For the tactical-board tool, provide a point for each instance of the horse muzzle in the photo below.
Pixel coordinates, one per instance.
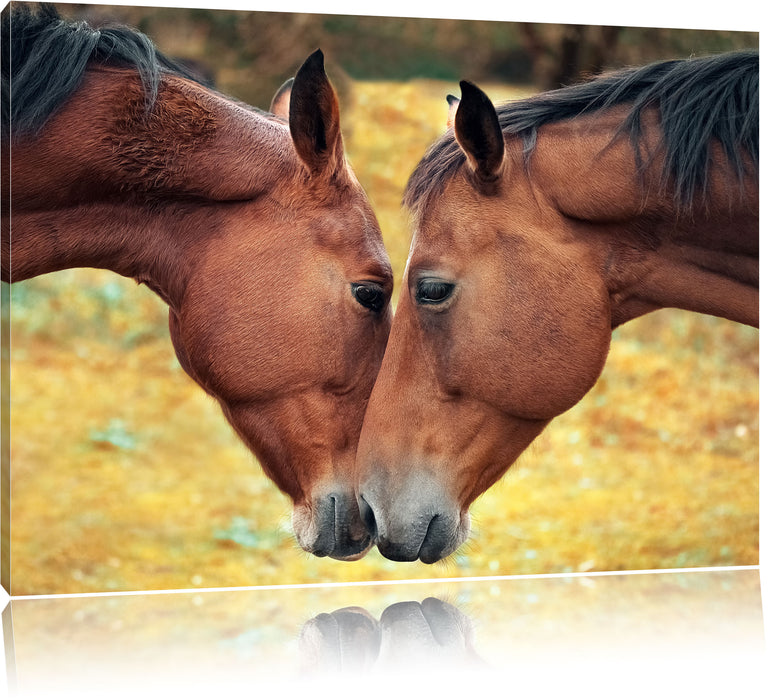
(419, 522)
(332, 527)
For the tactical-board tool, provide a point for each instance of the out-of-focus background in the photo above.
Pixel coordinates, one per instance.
(125, 475)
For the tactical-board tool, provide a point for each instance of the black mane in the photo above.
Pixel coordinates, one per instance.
(698, 99)
(44, 59)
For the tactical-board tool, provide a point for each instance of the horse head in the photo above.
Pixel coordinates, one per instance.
(251, 227)
(529, 247)
(287, 327)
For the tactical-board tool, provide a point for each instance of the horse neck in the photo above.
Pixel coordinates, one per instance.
(148, 246)
(708, 265)
(651, 254)
(103, 186)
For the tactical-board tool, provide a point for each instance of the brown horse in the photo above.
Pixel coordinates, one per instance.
(539, 228)
(252, 229)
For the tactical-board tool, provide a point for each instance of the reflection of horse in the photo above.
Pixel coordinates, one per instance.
(253, 231)
(540, 227)
(429, 636)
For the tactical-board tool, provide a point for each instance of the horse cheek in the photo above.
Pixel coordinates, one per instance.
(541, 356)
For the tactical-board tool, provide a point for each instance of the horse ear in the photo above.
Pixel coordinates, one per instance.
(478, 132)
(314, 118)
(452, 108)
(281, 101)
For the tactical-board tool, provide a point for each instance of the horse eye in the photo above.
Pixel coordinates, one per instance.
(433, 291)
(368, 295)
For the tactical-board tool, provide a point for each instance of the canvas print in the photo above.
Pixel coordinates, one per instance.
(298, 298)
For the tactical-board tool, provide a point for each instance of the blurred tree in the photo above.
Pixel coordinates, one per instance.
(249, 54)
(561, 54)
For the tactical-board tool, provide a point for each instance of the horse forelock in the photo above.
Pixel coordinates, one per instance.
(699, 100)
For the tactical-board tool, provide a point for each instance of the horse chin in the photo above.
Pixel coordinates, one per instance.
(353, 557)
(435, 546)
(431, 552)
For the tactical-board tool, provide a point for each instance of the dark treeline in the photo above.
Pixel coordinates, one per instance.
(248, 54)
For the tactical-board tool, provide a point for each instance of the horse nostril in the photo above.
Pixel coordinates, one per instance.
(368, 516)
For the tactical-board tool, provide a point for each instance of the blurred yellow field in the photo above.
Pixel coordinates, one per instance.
(125, 475)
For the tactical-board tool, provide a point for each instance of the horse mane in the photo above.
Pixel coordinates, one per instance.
(698, 100)
(46, 56)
